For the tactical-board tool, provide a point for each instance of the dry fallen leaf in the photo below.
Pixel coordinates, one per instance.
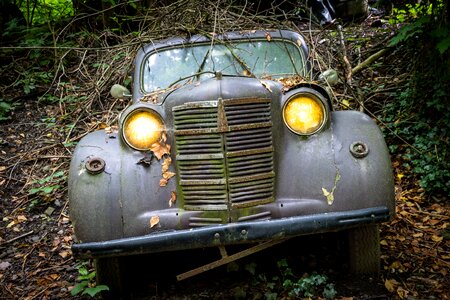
(268, 37)
(163, 182)
(111, 129)
(102, 125)
(160, 149)
(173, 199)
(289, 82)
(166, 164)
(154, 221)
(11, 224)
(390, 285)
(54, 276)
(437, 239)
(63, 254)
(167, 175)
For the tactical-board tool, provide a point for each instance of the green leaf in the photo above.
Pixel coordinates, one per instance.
(270, 296)
(49, 189)
(92, 291)
(251, 268)
(78, 288)
(443, 45)
(83, 271)
(58, 174)
(33, 191)
(282, 263)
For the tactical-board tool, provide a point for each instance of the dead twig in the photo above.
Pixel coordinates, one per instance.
(17, 238)
(345, 61)
(370, 60)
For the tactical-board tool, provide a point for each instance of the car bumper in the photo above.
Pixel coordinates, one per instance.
(234, 233)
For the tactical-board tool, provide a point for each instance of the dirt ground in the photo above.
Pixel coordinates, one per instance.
(36, 233)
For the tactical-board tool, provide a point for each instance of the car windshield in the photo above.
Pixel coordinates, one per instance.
(260, 58)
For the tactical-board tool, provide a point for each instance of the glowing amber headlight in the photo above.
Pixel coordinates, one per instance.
(304, 114)
(142, 128)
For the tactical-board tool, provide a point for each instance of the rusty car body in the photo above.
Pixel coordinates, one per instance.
(228, 141)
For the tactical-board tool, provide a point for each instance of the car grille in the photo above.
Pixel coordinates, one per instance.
(225, 155)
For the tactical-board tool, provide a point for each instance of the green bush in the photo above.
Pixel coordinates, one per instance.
(423, 122)
(420, 113)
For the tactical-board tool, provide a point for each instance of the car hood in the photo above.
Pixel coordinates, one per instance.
(224, 87)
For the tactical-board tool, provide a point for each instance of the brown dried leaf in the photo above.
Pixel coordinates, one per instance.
(54, 276)
(102, 125)
(63, 254)
(153, 97)
(154, 221)
(437, 239)
(402, 293)
(159, 149)
(11, 224)
(111, 129)
(268, 36)
(165, 165)
(163, 182)
(167, 175)
(391, 285)
(173, 199)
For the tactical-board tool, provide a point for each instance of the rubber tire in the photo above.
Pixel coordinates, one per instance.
(109, 272)
(364, 249)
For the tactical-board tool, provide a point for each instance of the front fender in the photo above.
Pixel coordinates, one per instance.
(319, 174)
(103, 206)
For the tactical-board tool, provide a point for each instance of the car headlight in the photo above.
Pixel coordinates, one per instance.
(142, 128)
(304, 114)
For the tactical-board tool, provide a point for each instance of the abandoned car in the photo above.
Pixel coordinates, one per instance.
(228, 141)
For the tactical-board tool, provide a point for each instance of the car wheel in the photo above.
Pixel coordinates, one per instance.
(109, 273)
(364, 248)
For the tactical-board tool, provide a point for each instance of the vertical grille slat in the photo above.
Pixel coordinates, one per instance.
(225, 156)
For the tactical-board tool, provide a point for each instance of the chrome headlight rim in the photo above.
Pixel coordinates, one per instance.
(318, 99)
(127, 115)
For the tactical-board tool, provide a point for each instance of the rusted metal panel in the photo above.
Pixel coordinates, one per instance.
(242, 154)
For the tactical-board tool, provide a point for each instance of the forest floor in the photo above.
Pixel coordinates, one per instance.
(36, 234)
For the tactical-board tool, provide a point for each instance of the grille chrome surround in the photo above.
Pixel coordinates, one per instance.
(225, 156)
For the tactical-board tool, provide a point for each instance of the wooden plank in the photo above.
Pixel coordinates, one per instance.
(228, 258)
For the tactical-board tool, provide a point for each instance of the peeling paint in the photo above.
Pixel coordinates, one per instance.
(330, 195)
(337, 178)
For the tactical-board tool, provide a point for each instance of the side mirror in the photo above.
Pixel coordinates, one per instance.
(329, 76)
(119, 91)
